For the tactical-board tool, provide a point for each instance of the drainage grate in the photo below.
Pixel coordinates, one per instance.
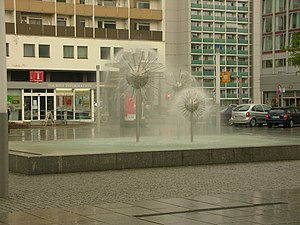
(212, 209)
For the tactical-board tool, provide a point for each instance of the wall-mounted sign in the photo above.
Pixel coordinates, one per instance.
(36, 76)
(225, 77)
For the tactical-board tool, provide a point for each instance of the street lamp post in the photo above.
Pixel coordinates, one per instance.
(218, 92)
(3, 108)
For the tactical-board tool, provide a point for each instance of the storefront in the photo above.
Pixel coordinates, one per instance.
(58, 101)
(286, 98)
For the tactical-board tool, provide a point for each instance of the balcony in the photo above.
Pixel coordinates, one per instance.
(221, 18)
(208, 84)
(194, 50)
(231, 95)
(231, 29)
(208, 51)
(231, 18)
(206, 6)
(146, 35)
(197, 73)
(245, 95)
(243, 9)
(196, 61)
(104, 33)
(219, 6)
(43, 30)
(231, 7)
(243, 63)
(220, 40)
(196, 17)
(231, 51)
(231, 40)
(243, 52)
(208, 62)
(208, 28)
(208, 73)
(196, 6)
(84, 32)
(197, 28)
(243, 74)
(36, 6)
(146, 14)
(243, 19)
(220, 29)
(231, 62)
(208, 39)
(231, 84)
(65, 31)
(111, 12)
(196, 39)
(242, 30)
(244, 85)
(208, 18)
(241, 41)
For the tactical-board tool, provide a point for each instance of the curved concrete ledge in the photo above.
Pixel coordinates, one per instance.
(38, 164)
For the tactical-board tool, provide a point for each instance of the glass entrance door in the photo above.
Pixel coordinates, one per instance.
(37, 106)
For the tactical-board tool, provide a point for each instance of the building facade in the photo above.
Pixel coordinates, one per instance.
(53, 47)
(280, 82)
(196, 28)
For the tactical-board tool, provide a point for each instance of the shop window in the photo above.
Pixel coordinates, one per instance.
(44, 51)
(68, 51)
(82, 52)
(29, 50)
(105, 53)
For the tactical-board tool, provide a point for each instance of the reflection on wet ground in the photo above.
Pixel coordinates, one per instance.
(84, 131)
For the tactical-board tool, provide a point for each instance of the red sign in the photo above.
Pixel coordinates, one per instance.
(36, 76)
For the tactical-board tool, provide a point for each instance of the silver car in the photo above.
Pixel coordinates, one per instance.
(251, 114)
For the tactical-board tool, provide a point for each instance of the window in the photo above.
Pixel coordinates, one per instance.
(82, 52)
(280, 42)
(82, 23)
(68, 51)
(32, 20)
(295, 20)
(29, 50)
(267, 63)
(110, 24)
(267, 24)
(267, 6)
(117, 50)
(267, 43)
(294, 4)
(280, 62)
(107, 2)
(7, 49)
(60, 0)
(143, 4)
(280, 23)
(142, 26)
(61, 21)
(44, 51)
(105, 52)
(82, 1)
(280, 5)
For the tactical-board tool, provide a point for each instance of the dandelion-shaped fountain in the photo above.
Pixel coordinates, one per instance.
(138, 70)
(191, 103)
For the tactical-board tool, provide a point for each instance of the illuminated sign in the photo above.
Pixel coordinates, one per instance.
(36, 76)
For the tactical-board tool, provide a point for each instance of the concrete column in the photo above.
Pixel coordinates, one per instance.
(218, 91)
(3, 108)
(98, 97)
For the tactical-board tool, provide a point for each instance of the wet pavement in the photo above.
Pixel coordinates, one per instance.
(253, 194)
(251, 208)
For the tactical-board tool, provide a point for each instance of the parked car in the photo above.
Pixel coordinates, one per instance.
(286, 116)
(226, 114)
(251, 114)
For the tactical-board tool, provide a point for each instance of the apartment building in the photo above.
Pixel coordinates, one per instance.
(194, 31)
(280, 82)
(53, 47)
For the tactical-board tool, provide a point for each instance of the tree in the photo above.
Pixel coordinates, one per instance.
(294, 49)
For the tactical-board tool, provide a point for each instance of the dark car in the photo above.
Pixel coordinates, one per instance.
(226, 114)
(286, 116)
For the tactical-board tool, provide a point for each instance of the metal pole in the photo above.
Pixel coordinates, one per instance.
(3, 108)
(240, 91)
(138, 113)
(98, 98)
(218, 92)
(192, 130)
